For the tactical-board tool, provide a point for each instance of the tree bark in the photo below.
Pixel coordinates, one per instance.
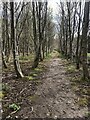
(85, 41)
(3, 37)
(69, 17)
(78, 39)
(7, 35)
(14, 45)
(36, 60)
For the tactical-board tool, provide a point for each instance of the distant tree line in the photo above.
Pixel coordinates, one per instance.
(74, 33)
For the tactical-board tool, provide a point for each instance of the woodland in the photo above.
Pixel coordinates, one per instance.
(45, 60)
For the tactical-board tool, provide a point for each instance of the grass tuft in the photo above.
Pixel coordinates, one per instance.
(30, 77)
(33, 98)
(83, 102)
(71, 68)
(1, 94)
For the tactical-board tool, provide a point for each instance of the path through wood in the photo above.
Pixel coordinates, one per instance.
(55, 97)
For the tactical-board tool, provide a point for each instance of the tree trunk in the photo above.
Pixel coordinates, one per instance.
(85, 40)
(7, 36)
(78, 38)
(3, 38)
(69, 15)
(66, 37)
(23, 48)
(14, 45)
(36, 59)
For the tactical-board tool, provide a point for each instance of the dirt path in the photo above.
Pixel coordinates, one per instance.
(52, 98)
(55, 98)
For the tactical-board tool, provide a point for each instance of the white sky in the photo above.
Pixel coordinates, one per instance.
(53, 4)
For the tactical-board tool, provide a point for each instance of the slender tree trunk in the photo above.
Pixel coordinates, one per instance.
(46, 47)
(23, 48)
(3, 37)
(43, 50)
(66, 37)
(85, 40)
(7, 36)
(43, 45)
(63, 29)
(14, 46)
(60, 43)
(36, 60)
(74, 22)
(78, 38)
(40, 32)
(27, 50)
(69, 15)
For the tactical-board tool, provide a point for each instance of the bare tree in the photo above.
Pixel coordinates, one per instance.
(85, 40)
(3, 36)
(14, 45)
(78, 39)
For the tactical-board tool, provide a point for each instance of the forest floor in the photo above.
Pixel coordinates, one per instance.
(53, 90)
